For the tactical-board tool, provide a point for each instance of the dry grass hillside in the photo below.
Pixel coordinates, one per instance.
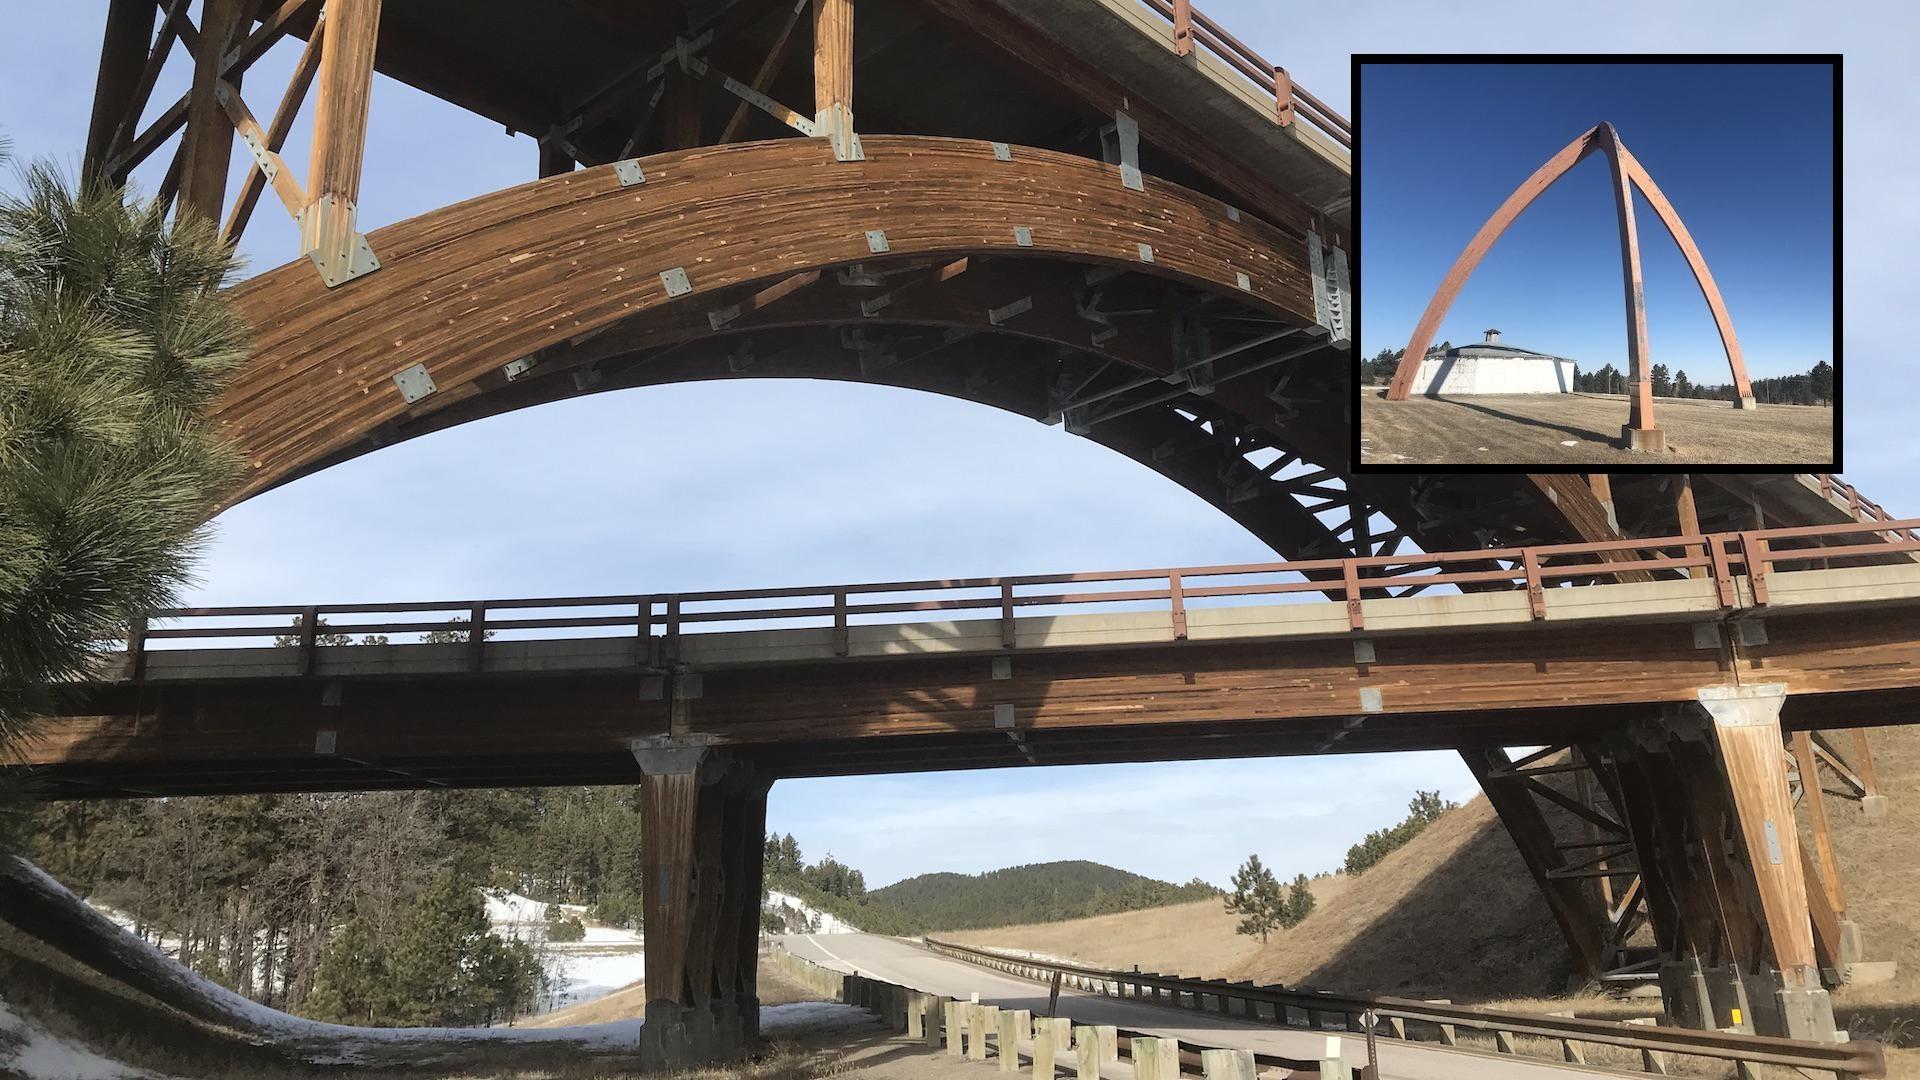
(1454, 913)
(1190, 939)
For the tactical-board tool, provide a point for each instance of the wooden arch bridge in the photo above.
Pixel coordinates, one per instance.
(1111, 214)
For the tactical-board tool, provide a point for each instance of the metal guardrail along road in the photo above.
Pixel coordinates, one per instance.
(1848, 1059)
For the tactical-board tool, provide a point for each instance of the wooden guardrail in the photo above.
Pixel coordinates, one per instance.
(1440, 1019)
(969, 1029)
(1730, 560)
(1192, 27)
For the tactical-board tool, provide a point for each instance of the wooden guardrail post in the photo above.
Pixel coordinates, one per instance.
(1051, 1036)
(1652, 1061)
(1016, 1026)
(1333, 1060)
(980, 1020)
(1155, 1058)
(1228, 1064)
(1503, 1042)
(1088, 1054)
(951, 1024)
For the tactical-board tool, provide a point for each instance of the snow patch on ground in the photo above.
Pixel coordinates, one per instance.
(812, 921)
(606, 959)
(812, 1016)
(28, 1050)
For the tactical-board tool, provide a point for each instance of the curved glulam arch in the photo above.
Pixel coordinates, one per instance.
(1628, 173)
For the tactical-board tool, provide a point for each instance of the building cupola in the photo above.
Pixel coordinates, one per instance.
(1493, 336)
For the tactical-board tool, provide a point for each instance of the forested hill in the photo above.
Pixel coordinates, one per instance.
(1039, 892)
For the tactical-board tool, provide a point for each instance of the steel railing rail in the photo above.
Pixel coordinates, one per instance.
(1737, 564)
(1191, 25)
(890, 1001)
(1857, 1058)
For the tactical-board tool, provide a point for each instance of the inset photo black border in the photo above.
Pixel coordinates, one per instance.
(1653, 465)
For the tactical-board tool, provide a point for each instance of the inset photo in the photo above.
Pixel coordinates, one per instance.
(1568, 262)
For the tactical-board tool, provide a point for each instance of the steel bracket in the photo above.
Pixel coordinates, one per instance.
(414, 383)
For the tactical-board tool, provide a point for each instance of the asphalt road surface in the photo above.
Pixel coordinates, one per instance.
(903, 962)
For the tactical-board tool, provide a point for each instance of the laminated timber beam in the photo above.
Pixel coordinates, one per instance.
(553, 260)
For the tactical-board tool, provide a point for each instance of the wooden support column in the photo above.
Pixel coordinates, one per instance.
(206, 150)
(1640, 432)
(329, 230)
(1746, 731)
(737, 955)
(669, 822)
(123, 55)
(703, 839)
(833, 76)
(1816, 803)
(1575, 908)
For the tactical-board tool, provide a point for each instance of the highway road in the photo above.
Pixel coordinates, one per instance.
(900, 961)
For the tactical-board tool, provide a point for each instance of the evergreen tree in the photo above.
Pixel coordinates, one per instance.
(353, 985)
(1820, 382)
(114, 339)
(1682, 386)
(1299, 902)
(1662, 385)
(447, 970)
(1257, 899)
(1424, 809)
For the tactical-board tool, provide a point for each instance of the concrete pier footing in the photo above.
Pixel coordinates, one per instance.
(1874, 807)
(1643, 440)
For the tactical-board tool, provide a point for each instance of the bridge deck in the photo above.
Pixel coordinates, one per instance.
(1204, 673)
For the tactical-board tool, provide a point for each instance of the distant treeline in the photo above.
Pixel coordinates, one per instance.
(1814, 387)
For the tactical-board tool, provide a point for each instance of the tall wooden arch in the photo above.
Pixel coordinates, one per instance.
(1641, 432)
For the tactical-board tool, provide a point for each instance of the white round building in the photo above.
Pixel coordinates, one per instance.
(1489, 367)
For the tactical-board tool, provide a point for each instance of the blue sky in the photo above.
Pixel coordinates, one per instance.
(749, 483)
(1744, 153)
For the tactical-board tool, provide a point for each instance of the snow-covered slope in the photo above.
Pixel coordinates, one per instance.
(608, 958)
(802, 918)
(29, 1050)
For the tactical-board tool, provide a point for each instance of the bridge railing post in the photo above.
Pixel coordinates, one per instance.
(1177, 601)
(840, 643)
(1282, 96)
(309, 639)
(670, 646)
(1753, 552)
(477, 637)
(137, 647)
(1722, 570)
(1006, 614)
(1536, 594)
(1183, 27)
(1350, 574)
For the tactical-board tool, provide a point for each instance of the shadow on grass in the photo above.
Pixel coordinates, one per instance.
(1568, 429)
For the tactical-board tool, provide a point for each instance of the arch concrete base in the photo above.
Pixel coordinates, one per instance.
(1643, 440)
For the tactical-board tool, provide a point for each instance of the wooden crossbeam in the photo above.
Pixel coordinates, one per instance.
(267, 159)
(763, 79)
(276, 136)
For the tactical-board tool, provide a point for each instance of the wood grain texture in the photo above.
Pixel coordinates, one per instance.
(466, 289)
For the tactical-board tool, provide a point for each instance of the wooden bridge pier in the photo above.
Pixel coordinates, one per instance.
(1702, 836)
(703, 820)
